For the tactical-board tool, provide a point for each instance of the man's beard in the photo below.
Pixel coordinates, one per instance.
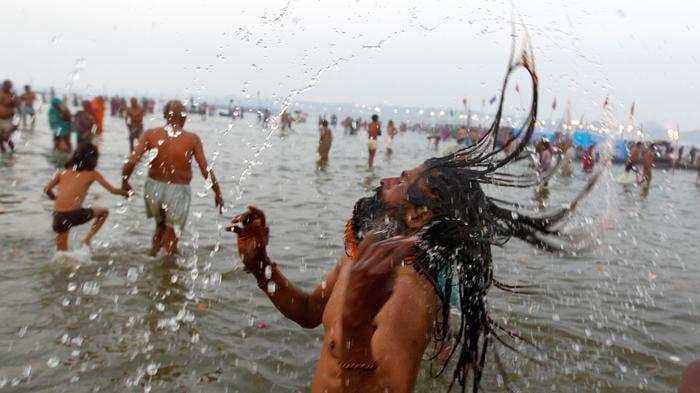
(371, 214)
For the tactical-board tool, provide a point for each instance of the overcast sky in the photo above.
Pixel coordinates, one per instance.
(402, 52)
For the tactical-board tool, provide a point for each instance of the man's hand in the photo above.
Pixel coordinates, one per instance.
(253, 235)
(126, 187)
(379, 257)
(219, 202)
(371, 276)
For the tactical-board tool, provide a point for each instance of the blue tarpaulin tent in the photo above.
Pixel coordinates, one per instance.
(583, 138)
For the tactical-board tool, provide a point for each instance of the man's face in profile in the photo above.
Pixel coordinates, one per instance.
(385, 211)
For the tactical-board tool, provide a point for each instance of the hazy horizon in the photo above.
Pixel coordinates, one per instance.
(363, 52)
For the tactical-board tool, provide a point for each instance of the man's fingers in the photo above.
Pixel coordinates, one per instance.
(383, 256)
(233, 228)
(369, 240)
(236, 219)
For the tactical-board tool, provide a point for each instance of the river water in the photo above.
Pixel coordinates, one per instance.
(621, 317)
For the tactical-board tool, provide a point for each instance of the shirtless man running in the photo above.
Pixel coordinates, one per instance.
(134, 122)
(167, 189)
(374, 129)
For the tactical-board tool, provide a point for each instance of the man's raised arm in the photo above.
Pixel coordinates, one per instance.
(306, 309)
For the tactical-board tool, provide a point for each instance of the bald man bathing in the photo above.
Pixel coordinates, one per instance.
(167, 189)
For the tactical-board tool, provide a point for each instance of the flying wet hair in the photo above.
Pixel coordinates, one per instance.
(454, 250)
(84, 158)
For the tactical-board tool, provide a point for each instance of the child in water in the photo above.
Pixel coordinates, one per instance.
(73, 184)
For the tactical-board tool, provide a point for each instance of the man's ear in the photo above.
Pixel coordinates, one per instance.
(417, 217)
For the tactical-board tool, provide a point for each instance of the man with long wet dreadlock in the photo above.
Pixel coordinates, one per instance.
(418, 247)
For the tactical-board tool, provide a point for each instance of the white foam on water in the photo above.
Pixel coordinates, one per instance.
(73, 258)
(627, 178)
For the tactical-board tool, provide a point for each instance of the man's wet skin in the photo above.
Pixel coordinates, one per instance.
(172, 165)
(371, 344)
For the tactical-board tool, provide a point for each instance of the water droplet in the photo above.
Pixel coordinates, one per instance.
(91, 288)
(72, 286)
(172, 132)
(271, 287)
(132, 275)
(215, 279)
(53, 362)
(152, 369)
(76, 341)
(268, 272)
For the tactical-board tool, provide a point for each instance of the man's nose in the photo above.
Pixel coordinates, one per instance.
(389, 182)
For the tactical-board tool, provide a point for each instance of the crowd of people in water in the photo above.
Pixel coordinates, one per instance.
(427, 232)
(86, 122)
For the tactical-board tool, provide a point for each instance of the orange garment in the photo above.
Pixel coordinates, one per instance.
(99, 105)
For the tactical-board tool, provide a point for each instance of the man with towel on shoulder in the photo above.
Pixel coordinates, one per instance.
(167, 189)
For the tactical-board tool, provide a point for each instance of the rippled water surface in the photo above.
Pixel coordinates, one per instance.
(622, 317)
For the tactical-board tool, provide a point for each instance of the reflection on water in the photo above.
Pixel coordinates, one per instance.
(621, 317)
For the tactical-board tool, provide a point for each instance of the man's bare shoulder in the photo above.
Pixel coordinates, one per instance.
(154, 132)
(191, 137)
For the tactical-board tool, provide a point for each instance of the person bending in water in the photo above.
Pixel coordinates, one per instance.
(134, 122)
(418, 247)
(73, 184)
(325, 140)
(374, 129)
(167, 189)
